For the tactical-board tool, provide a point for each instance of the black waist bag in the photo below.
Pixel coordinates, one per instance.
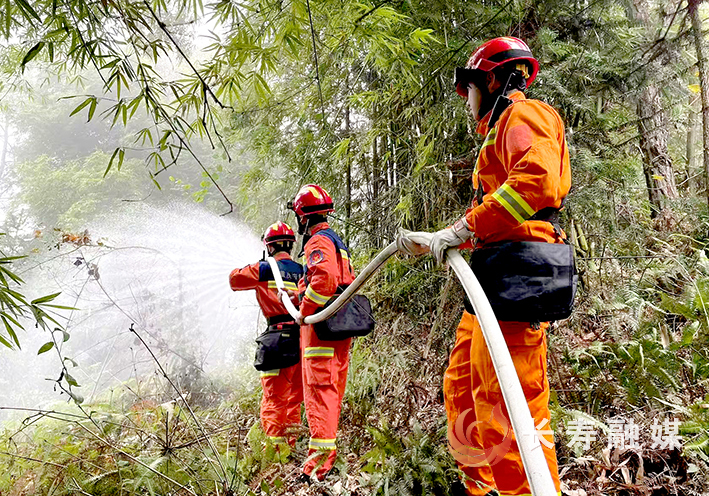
(527, 281)
(278, 347)
(352, 320)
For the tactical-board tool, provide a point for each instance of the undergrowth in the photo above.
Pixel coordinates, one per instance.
(634, 349)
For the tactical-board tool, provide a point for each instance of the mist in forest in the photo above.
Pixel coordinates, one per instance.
(162, 270)
(124, 254)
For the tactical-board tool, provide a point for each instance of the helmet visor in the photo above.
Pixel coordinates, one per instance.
(463, 77)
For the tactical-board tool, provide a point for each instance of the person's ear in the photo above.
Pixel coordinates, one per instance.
(491, 81)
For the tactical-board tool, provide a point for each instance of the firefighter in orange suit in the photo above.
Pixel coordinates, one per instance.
(521, 176)
(325, 363)
(282, 388)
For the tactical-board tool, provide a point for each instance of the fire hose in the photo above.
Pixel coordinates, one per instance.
(526, 434)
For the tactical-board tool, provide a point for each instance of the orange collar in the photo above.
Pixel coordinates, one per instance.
(319, 227)
(281, 255)
(483, 128)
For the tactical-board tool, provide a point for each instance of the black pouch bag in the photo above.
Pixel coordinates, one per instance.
(278, 347)
(527, 281)
(352, 320)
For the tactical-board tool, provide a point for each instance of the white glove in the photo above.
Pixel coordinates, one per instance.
(446, 238)
(409, 247)
(299, 318)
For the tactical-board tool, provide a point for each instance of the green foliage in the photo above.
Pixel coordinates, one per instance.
(262, 454)
(15, 307)
(696, 429)
(417, 464)
(409, 285)
(69, 194)
(376, 121)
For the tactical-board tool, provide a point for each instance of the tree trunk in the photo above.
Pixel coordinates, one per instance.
(654, 135)
(348, 203)
(692, 184)
(653, 126)
(693, 7)
(376, 174)
(376, 184)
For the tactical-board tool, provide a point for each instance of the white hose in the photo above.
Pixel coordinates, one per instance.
(285, 299)
(348, 293)
(533, 459)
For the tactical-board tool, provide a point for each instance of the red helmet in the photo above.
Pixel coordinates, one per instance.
(278, 232)
(312, 199)
(492, 54)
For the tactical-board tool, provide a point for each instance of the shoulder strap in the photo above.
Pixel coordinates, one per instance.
(339, 247)
(264, 271)
(276, 274)
(332, 236)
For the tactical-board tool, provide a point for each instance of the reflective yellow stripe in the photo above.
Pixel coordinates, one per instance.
(345, 255)
(323, 444)
(270, 373)
(318, 351)
(489, 140)
(277, 440)
(317, 298)
(513, 203)
(286, 284)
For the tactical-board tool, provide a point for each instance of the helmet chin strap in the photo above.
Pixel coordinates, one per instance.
(501, 102)
(303, 225)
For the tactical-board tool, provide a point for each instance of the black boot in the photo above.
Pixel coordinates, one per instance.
(304, 479)
(458, 488)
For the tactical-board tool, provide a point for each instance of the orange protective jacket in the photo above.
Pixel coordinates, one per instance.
(258, 276)
(325, 363)
(522, 167)
(328, 266)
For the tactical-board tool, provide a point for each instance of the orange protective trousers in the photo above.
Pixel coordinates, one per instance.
(325, 365)
(280, 404)
(472, 392)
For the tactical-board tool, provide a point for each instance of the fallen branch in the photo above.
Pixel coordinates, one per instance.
(12, 455)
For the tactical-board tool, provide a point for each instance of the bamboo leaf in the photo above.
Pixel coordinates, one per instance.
(44, 299)
(81, 106)
(92, 109)
(46, 347)
(110, 162)
(70, 380)
(27, 9)
(33, 52)
(5, 342)
(8, 18)
(11, 331)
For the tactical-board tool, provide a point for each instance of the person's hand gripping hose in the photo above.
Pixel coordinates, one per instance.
(446, 238)
(409, 247)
